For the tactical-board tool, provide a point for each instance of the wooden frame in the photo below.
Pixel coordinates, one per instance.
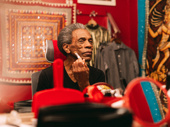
(99, 2)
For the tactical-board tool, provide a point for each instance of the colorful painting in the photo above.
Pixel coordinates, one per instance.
(156, 53)
(157, 40)
(25, 27)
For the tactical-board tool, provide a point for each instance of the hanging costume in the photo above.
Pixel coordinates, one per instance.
(118, 62)
(99, 35)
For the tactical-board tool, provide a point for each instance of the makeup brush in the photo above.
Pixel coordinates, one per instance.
(77, 55)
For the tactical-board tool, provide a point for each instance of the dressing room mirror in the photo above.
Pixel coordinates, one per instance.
(148, 100)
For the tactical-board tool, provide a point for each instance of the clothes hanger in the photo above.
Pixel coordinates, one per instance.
(92, 22)
(116, 39)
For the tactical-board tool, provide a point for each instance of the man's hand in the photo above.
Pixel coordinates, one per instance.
(81, 73)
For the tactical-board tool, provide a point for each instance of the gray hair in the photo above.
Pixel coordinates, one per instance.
(65, 35)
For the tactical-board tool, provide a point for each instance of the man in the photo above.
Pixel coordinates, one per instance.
(77, 74)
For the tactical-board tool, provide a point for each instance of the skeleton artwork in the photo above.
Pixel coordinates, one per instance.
(161, 21)
(158, 53)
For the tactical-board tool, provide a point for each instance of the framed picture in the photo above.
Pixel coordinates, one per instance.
(99, 2)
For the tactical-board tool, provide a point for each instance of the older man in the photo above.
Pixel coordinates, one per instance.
(74, 39)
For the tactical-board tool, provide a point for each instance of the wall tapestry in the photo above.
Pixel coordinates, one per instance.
(156, 51)
(24, 28)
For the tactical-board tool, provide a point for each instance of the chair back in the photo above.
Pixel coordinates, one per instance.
(34, 82)
(52, 53)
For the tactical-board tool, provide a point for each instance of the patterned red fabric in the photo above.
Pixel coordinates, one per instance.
(26, 27)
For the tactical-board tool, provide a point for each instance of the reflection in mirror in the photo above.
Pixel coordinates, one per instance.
(148, 102)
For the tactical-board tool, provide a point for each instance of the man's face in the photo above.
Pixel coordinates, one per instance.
(82, 43)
